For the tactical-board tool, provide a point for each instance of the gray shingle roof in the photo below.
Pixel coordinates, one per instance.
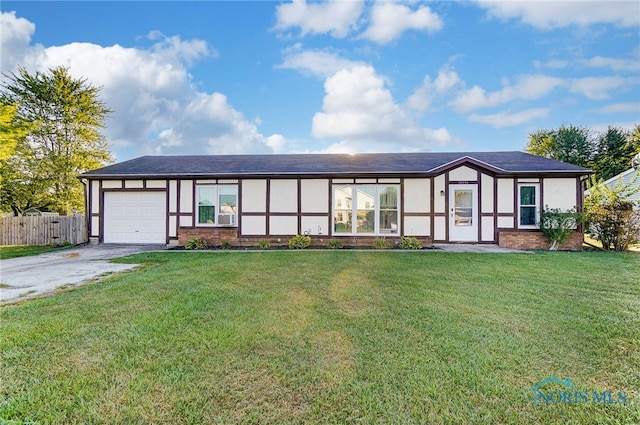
(630, 179)
(423, 163)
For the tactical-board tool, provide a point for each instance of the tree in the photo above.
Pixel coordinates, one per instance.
(634, 137)
(14, 181)
(541, 143)
(11, 131)
(64, 116)
(616, 148)
(610, 216)
(568, 143)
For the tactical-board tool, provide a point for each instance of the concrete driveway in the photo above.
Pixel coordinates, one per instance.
(27, 277)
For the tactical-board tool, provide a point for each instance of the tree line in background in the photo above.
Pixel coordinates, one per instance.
(607, 154)
(609, 215)
(50, 133)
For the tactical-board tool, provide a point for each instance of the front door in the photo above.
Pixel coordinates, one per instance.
(463, 213)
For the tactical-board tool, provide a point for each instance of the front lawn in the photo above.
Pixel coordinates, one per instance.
(333, 337)
(14, 251)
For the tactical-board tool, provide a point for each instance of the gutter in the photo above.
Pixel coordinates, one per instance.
(426, 173)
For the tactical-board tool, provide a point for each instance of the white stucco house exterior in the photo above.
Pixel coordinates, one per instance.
(472, 197)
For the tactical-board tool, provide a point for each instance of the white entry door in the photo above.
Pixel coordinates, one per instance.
(463, 213)
(135, 217)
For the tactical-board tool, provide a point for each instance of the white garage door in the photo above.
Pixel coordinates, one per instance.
(135, 217)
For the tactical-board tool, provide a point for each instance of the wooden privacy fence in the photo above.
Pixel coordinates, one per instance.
(43, 230)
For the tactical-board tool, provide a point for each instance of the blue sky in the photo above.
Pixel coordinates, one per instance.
(215, 77)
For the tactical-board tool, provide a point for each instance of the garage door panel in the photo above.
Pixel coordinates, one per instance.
(135, 217)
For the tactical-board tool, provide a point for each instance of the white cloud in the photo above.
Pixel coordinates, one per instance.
(356, 105)
(473, 98)
(424, 95)
(277, 142)
(615, 64)
(625, 107)
(599, 128)
(318, 63)
(174, 48)
(599, 88)
(215, 127)
(507, 119)
(532, 87)
(527, 87)
(156, 108)
(552, 64)
(430, 138)
(440, 136)
(15, 35)
(389, 20)
(628, 63)
(361, 111)
(335, 17)
(556, 14)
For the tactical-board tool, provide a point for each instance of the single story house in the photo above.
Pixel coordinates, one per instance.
(475, 197)
(33, 211)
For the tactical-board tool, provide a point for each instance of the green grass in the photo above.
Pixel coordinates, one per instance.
(334, 337)
(7, 252)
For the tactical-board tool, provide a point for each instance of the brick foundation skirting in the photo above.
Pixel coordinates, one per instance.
(537, 240)
(215, 236)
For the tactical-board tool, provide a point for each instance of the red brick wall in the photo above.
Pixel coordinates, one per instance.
(537, 240)
(366, 241)
(215, 236)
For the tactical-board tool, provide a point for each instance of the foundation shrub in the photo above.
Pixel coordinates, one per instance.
(299, 242)
(410, 242)
(196, 243)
